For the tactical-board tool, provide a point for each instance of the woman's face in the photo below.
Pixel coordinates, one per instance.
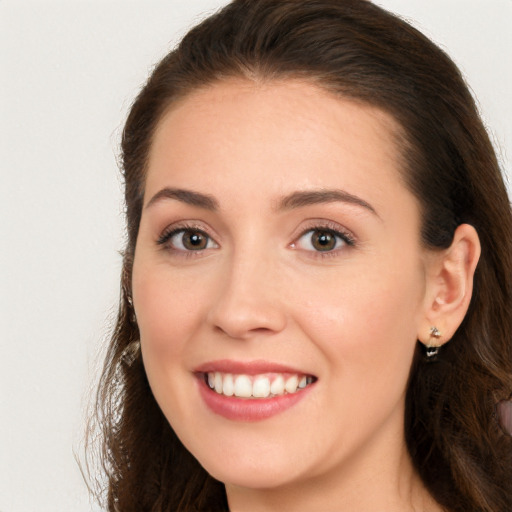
(279, 262)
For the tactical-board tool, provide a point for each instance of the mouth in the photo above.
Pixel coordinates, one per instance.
(259, 386)
(251, 391)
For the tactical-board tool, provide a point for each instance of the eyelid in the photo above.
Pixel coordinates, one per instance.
(346, 235)
(181, 227)
(337, 229)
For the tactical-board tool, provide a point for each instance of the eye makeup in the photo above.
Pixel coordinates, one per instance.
(318, 238)
(323, 238)
(186, 239)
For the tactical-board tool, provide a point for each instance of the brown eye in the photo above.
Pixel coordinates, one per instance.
(187, 240)
(194, 240)
(323, 240)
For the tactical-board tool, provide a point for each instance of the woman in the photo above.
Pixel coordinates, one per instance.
(316, 293)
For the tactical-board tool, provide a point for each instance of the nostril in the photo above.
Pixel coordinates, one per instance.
(244, 318)
(242, 332)
(261, 330)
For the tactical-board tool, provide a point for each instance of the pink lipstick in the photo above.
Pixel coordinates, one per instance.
(251, 391)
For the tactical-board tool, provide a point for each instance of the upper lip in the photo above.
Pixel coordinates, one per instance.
(254, 367)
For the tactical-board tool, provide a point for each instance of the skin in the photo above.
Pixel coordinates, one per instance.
(350, 316)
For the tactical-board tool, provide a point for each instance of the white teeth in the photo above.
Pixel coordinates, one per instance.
(291, 384)
(258, 386)
(228, 387)
(218, 382)
(277, 387)
(243, 386)
(261, 387)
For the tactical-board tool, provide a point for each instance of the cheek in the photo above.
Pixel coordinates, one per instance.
(166, 309)
(167, 312)
(366, 322)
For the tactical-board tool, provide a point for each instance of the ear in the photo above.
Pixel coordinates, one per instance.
(449, 286)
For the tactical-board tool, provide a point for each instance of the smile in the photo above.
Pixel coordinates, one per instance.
(256, 386)
(252, 391)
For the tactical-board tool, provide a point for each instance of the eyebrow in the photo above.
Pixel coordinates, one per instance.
(185, 196)
(292, 201)
(311, 197)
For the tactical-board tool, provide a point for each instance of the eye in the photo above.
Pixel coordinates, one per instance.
(322, 240)
(187, 239)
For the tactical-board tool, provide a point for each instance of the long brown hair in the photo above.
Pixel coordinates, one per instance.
(358, 51)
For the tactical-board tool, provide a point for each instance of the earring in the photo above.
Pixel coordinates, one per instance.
(131, 352)
(432, 348)
(130, 303)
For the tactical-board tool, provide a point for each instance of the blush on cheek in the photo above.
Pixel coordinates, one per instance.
(153, 319)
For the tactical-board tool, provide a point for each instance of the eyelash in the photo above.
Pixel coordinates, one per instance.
(330, 228)
(165, 239)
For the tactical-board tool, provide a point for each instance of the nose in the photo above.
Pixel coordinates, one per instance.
(248, 303)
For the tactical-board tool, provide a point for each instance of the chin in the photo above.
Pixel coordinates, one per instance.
(253, 476)
(249, 462)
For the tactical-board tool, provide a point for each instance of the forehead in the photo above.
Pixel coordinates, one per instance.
(287, 134)
(239, 104)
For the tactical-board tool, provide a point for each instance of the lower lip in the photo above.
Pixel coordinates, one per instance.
(247, 409)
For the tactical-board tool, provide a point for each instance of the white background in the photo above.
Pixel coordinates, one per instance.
(68, 72)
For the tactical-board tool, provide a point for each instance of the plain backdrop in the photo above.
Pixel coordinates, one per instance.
(68, 72)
